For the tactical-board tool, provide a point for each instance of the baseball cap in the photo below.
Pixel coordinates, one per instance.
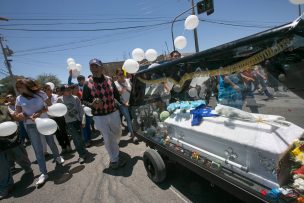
(64, 87)
(96, 62)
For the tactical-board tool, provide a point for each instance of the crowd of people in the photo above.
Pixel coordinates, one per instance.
(108, 99)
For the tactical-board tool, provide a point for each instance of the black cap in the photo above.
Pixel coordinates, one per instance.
(65, 87)
(96, 62)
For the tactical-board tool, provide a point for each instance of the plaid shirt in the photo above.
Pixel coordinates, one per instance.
(105, 91)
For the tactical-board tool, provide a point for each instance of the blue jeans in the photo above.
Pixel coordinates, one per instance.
(22, 132)
(74, 129)
(38, 148)
(6, 179)
(87, 130)
(125, 111)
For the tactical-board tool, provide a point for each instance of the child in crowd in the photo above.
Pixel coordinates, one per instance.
(75, 120)
(11, 149)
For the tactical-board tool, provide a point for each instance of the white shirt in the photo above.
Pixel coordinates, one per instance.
(54, 98)
(126, 95)
(32, 105)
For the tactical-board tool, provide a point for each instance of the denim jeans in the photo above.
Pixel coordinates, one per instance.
(74, 129)
(22, 132)
(35, 138)
(125, 111)
(87, 130)
(6, 179)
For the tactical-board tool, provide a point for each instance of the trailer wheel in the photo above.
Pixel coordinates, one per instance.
(154, 165)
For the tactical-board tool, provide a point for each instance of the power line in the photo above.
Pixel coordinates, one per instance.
(236, 25)
(74, 42)
(79, 23)
(65, 19)
(84, 30)
(106, 42)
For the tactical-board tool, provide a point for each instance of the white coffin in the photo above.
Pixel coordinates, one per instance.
(254, 146)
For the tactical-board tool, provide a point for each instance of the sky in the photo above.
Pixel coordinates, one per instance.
(44, 34)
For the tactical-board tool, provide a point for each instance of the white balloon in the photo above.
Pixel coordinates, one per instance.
(75, 73)
(87, 111)
(131, 66)
(78, 67)
(297, 2)
(180, 42)
(138, 54)
(191, 22)
(151, 55)
(70, 60)
(51, 85)
(7, 128)
(72, 64)
(46, 126)
(57, 110)
(192, 92)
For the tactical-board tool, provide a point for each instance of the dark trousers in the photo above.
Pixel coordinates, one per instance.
(74, 129)
(61, 133)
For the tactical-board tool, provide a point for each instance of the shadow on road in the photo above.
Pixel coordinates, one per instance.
(194, 187)
(23, 186)
(127, 169)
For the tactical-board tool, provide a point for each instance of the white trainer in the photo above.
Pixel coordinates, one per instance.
(59, 160)
(41, 180)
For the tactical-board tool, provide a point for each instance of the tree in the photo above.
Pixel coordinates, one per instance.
(42, 79)
(6, 82)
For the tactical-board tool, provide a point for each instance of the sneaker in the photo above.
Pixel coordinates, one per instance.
(81, 160)
(117, 164)
(135, 139)
(41, 180)
(59, 160)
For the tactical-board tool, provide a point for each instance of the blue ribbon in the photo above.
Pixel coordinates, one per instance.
(200, 112)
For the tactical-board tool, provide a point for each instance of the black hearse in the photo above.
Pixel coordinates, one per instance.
(274, 59)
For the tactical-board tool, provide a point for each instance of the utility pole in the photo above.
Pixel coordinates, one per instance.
(300, 12)
(8, 66)
(195, 30)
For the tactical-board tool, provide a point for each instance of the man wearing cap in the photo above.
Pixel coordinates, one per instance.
(101, 94)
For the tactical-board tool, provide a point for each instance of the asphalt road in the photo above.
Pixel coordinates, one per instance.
(94, 182)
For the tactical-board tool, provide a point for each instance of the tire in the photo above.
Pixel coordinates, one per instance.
(155, 166)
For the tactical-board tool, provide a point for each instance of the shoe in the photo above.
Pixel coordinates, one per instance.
(59, 160)
(41, 180)
(135, 139)
(81, 160)
(117, 164)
